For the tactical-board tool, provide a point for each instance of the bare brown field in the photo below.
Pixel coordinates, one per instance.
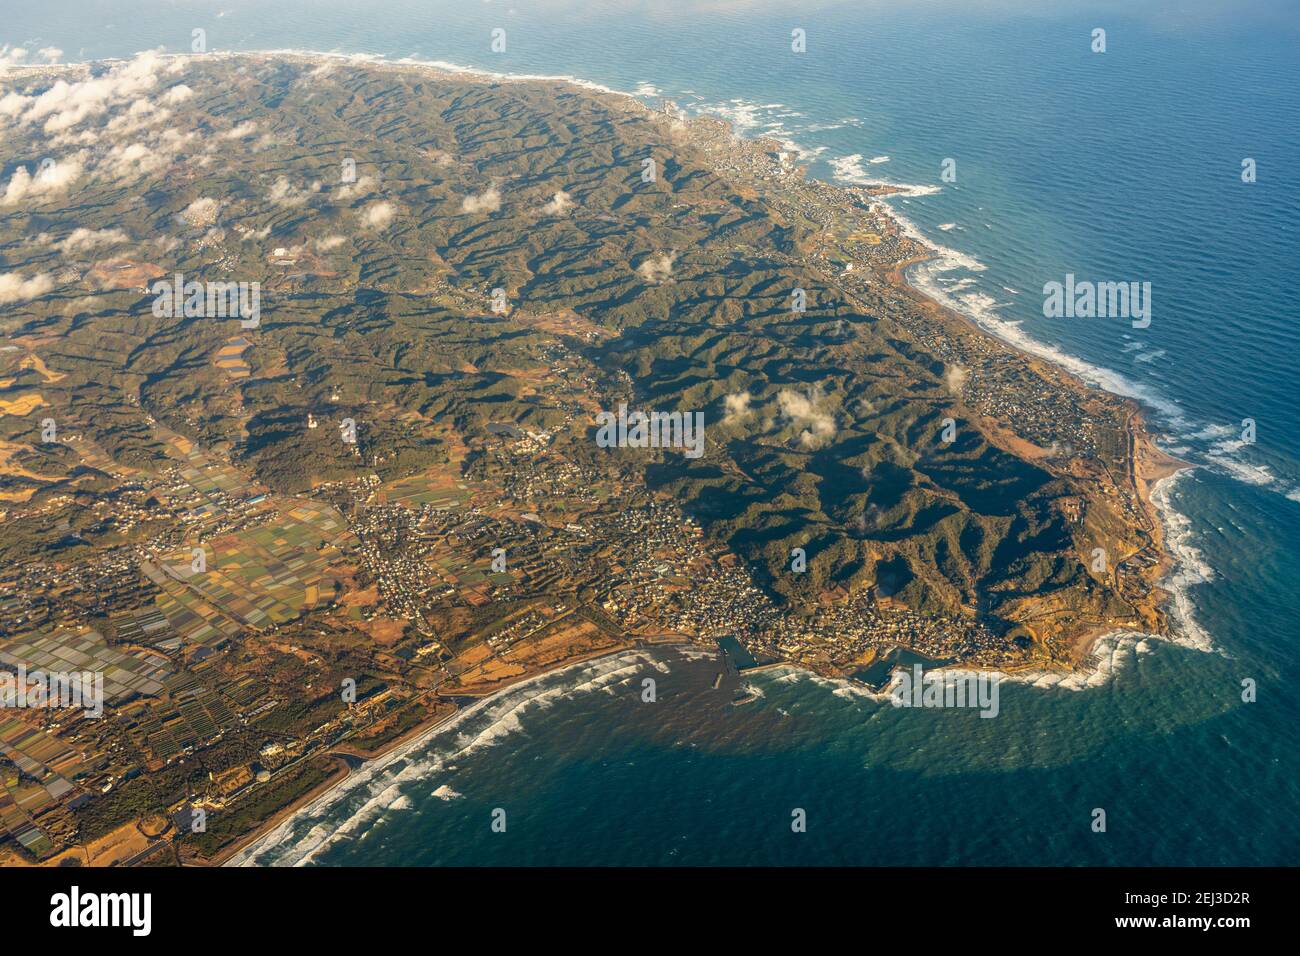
(565, 642)
(121, 273)
(22, 405)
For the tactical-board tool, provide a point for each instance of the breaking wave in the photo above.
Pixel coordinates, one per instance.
(380, 786)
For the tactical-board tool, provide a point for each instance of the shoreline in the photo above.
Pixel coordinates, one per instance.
(340, 775)
(396, 749)
(1151, 466)
(1149, 463)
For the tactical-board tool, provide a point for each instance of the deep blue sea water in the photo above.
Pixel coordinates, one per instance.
(1116, 166)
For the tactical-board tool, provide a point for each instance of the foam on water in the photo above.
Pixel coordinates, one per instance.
(850, 169)
(378, 783)
(961, 292)
(770, 120)
(1190, 567)
(912, 126)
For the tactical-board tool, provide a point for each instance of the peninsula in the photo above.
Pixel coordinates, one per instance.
(296, 538)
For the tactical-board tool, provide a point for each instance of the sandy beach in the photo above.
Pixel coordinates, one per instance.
(411, 740)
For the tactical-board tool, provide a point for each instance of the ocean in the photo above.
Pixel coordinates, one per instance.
(1117, 166)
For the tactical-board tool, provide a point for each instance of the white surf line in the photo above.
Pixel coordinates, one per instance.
(366, 774)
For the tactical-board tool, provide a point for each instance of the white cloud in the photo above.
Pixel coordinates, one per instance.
(737, 407)
(14, 287)
(50, 54)
(657, 269)
(801, 409)
(200, 213)
(488, 201)
(248, 234)
(329, 243)
(559, 205)
(50, 179)
(177, 94)
(242, 131)
(11, 56)
(65, 105)
(142, 113)
(11, 104)
(81, 240)
(284, 193)
(361, 187)
(135, 159)
(377, 215)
